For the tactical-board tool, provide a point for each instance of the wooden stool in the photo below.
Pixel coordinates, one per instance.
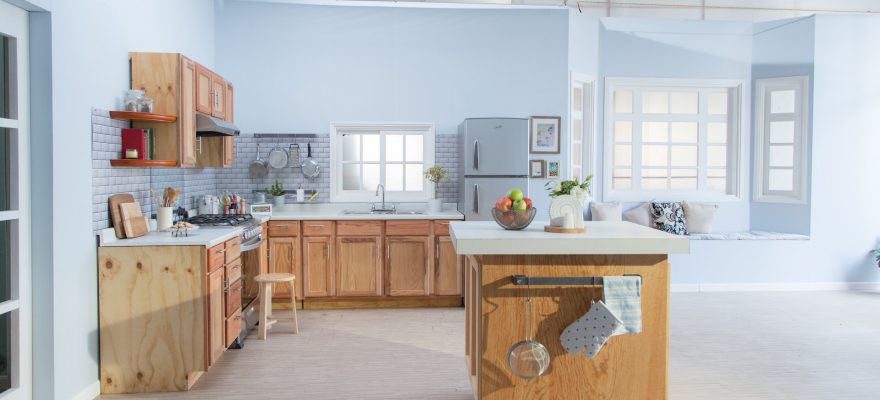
(266, 282)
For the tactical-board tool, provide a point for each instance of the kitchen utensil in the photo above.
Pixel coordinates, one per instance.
(528, 359)
(312, 197)
(310, 168)
(257, 169)
(133, 220)
(116, 214)
(293, 156)
(278, 157)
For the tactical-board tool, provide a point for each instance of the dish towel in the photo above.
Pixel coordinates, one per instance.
(623, 296)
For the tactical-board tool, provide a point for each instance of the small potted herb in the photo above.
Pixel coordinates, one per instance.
(435, 174)
(277, 192)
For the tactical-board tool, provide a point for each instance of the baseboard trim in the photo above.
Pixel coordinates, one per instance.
(90, 392)
(774, 287)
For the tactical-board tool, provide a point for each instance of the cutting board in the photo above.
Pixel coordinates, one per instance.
(115, 214)
(133, 221)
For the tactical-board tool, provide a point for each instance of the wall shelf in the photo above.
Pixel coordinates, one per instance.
(142, 116)
(143, 163)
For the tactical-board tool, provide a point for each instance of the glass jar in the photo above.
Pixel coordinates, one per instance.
(133, 100)
(146, 105)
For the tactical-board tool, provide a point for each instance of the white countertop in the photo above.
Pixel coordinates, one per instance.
(200, 237)
(331, 211)
(486, 237)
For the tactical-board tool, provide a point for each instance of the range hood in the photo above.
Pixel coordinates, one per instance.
(210, 126)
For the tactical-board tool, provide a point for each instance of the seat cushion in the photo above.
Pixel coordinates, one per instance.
(640, 215)
(606, 211)
(699, 216)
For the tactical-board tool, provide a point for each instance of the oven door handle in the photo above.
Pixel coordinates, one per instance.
(252, 244)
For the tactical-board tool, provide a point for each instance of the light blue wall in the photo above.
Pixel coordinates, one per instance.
(783, 48)
(643, 48)
(296, 68)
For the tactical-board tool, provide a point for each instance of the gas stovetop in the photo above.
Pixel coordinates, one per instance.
(222, 220)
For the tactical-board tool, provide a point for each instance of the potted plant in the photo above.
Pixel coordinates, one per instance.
(277, 192)
(435, 174)
(567, 202)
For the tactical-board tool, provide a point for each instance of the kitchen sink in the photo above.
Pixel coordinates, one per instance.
(381, 212)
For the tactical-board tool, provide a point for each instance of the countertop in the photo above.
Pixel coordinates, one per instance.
(200, 237)
(486, 237)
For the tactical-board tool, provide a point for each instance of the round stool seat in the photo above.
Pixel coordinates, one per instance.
(275, 277)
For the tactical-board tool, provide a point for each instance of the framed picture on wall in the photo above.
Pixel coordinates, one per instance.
(544, 135)
(553, 169)
(536, 169)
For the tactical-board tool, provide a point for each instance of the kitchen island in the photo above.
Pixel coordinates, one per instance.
(630, 366)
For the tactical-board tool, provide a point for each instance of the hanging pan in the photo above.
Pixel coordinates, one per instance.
(310, 168)
(257, 169)
(278, 157)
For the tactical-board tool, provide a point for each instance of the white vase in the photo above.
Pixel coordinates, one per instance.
(567, 211)
(435, 205)
(279, 201)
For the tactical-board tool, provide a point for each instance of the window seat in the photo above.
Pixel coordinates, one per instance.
(748, 235)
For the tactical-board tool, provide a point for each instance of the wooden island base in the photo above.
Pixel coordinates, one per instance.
(627, 367)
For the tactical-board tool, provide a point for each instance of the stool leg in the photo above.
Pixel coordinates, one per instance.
(293, 305)
(265, 307)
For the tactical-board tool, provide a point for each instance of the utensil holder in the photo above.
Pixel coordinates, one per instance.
(164, 218)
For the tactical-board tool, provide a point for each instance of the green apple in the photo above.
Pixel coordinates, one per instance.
(520, 205)
(515, 194)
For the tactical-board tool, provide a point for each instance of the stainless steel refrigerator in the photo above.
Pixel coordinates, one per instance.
(494, 158)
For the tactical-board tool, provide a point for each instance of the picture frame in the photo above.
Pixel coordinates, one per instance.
(536, 168)
(544, 135)
(553, 169)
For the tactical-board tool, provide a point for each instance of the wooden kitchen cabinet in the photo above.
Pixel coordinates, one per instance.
(318, 265)
(218, 86)
(229, 141)
(204, 90)
(216, 316)
(284, 257)
(359, 266)
(408, 265)
(447, 268)
(187, 118)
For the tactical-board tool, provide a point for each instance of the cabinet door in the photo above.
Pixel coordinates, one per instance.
(359, 266)
(218, 87)
(204, 91)
(187, 119)
(228, 142)
(447, 269)
(284, 258)
(216, 317)
(318, 267)
(408, 265)
(230, 106)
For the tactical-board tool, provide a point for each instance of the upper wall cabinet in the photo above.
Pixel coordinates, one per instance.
(183, 88)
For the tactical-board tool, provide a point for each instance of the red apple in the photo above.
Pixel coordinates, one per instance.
(503, 204)
(528, 202)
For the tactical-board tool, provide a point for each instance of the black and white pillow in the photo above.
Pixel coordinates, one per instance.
(669, 217)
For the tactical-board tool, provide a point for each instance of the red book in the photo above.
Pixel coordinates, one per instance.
(135, 139)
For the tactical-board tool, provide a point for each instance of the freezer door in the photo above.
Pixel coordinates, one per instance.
(496, 146)
(480, 195)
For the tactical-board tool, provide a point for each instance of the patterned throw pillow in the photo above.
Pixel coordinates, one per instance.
(669, 217)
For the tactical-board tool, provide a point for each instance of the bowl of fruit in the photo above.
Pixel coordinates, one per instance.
(514, 211)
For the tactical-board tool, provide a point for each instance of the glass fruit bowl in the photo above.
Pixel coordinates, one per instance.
(514, 220)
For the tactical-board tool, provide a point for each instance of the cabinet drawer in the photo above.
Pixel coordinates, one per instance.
(283, 228)
(408, 228)
(233, 271)
(317, 228)
(359, 228)
(233, 298)
(233, 328)
(216, 257)
(441, 227)
(233, 249)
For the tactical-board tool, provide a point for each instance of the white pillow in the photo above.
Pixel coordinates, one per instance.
(640, 215)
(606, 211)
(699, 216)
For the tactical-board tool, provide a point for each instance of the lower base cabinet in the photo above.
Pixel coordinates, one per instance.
(284, 258)
(216, 316)
(447, 268)
(408, 265)
(359, 266)
(318, 268)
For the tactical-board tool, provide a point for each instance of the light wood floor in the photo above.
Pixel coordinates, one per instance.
(782, 345)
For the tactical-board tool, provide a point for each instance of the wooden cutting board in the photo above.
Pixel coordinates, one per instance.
(115, 214)
(133, 221)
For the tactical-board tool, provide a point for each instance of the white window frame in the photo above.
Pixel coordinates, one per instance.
(339, 128)
(586, 115)
(801, 87)
(735, 121)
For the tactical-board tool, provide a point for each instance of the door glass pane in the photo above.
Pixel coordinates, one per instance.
(780, 180)
(394, 177)
(655, 102)
(577, 133)
(623, 101)
(5, 352)
(577, 98)
(415, 181)
(371, 176)
(576, 153)
(351, 177)
(684, 102)
(684, 132)
(393, 147)
(655, 132)
(782, 132)
(623, 131)
(370, 144)
(6, 244)
(351, 147)
(781, 101)
(7, 84)
(6, 170)
(718, 103)
(782, 156)
(415, 148)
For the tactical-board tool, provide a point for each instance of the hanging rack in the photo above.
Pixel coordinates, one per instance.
(522, 280)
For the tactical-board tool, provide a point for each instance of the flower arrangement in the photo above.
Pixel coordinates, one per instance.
(277, 189)
(436, 174)
(574, 187)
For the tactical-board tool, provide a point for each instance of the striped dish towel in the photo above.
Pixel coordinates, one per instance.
(623, 296)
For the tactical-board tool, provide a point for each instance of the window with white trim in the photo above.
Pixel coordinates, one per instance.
(671, 139)
(781, 109)
(364, 156)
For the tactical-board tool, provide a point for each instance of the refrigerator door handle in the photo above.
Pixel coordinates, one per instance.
(476, 199)
(476, 154)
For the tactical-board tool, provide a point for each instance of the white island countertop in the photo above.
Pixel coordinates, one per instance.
(486, 237)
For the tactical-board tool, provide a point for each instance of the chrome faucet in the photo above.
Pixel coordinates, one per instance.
(381, 188)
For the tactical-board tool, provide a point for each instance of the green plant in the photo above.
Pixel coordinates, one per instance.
(573, 187)
(436, 174)
(277, 189)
